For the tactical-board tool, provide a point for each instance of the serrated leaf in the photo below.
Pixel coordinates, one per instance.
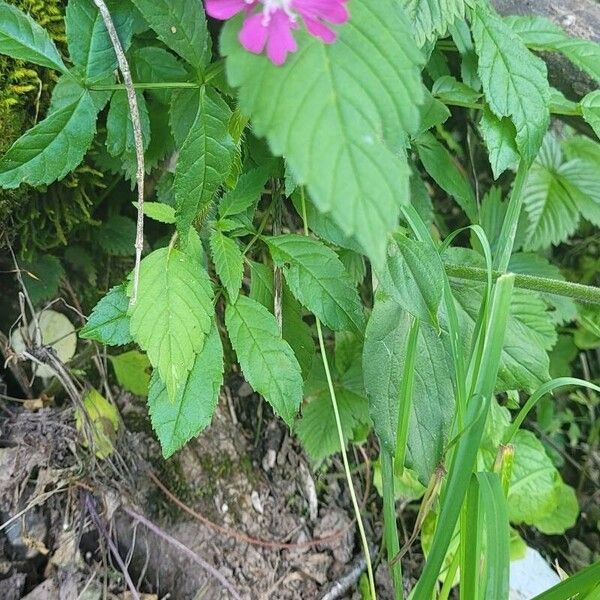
(248, 190)
(514, 80)
(412, 277)
(564, 516)
(431, 18)
(109, 321)
(89, 44)
(432, 410)
(229, 262)
(158, 211)
(542, 34)
(51, 149)
(266, 359)
(348, 124)
(68, 89)
(117, 236)
(177, 421)
(499, 136)
(590, 105)
(131, 369)
(535, 485)
(22, 38)
(41, 277)
(441, 165)
(317, 278)
(294, 330)
(173, 313)
(181, 25)
(451, 91)
(204, 160)
(119, 129)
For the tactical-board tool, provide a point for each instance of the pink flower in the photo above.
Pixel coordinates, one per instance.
(272, 26)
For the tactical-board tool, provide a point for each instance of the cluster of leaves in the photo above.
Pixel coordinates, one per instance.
(363, 147)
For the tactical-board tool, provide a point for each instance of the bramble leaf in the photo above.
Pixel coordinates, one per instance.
(431, 18)
(117, 236)
(178, 420)
(248, 190)
(317, 278)
(53, 148)
(341, 130)
(590, 106)
(173, 313)
(119, 129)
(109, 321)
(266, 359)
(229, 262)
(499, 136)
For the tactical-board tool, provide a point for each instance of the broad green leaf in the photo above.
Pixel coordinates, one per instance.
(535, 485)
(229, 262)
(564, 516)
(540, 33)
(267, 360)
(41, 277)
(89, 44)
(444, 170)
(412, 277)
(109, 321)
(131, 369)
(432, 113)
(172, 315)
(204, 160)
(22, 38)
(431, 18)
(340, 129)
(119, 129)
(151, 63)
(181, 25)
(590, 105)
(514, 80)
(163, 213)
(178, 420)
(316, 276)
(451, 91)
(432, 410)
(294, 330)
(499, 136)
(68, 89)
(51, 149)
(248, 190)
(117, 236)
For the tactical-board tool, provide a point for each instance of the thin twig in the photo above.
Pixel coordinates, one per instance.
(134, 113)
(343, 585)
(185, 550)
(91, 508)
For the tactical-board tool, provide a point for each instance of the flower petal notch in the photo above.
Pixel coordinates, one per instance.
(269, 24)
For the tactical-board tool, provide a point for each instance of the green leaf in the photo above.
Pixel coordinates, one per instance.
(229, 262)
(348, 123)
(117, 236)
(22, 38)
(514, 80)
(109, 321)
(542, 34)
(178, 420)
(163, 213)
(535, 485)
(564, 516)
(119, 129)
(317, 278)
(412, 277)
(432, 410)
(316, 429)
(590, 105)
(266, 359)
(451, 91)
(68, 90)
(89, 44)
(42, 277)
(205, 159)
(53, 148)
(248, 190)
(151, 63)
(294, 330)
(431, 18)
(131, 369)
(499, 136)
(181, 25)
(440, 164)
(173, 313)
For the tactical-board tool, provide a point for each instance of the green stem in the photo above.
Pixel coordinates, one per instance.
(157, 85)
(392, 543)
(581, 293)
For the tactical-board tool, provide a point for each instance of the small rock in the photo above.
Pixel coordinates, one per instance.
(316, 566)
(256, 502)
(530, 576)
